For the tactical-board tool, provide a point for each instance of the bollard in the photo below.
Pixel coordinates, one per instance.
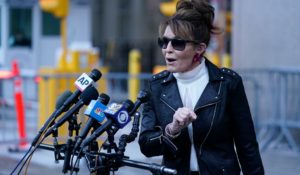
(62, 61)
(134, 69)
(19, 107)
(74, 64)
(215, 59)
(226, 60)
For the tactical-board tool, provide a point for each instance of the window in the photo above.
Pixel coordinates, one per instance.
(20, 27)
(50, 25)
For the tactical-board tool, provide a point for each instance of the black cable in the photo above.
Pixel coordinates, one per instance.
(30, 154)
(21, 160)
(77, 159)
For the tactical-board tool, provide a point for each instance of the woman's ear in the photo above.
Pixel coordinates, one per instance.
(200, 48)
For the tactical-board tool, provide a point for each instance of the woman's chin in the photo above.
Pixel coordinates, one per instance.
(172, 69)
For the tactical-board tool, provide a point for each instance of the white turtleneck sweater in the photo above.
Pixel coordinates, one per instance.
(194, 83)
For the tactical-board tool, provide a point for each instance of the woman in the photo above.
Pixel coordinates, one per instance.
(198, 116)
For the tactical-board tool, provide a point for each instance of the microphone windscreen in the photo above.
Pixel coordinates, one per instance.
(143, 96)
(89, 94)
(95, 75)
(104, 98)
(128, 105)
(62, 98)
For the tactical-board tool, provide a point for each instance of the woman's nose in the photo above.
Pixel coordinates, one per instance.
(169, 47)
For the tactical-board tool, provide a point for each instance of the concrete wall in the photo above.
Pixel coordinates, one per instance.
(266, 33)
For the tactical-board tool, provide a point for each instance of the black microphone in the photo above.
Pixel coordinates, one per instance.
(142, 97)
(89, 94)
(81, 83)
(59, 103)
(62, 98)
(117, 114)
(95, 113)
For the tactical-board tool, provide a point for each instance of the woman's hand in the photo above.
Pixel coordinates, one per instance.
(182, 118)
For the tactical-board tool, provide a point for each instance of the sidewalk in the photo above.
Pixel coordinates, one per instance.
(275, 162)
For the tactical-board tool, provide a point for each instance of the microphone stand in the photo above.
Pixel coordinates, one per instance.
(110, 144)
(57, 147)
(124, 139)
(73, 126)
(113, 161)
(102, 163)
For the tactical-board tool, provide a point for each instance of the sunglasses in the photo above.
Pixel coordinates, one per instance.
(177, 44)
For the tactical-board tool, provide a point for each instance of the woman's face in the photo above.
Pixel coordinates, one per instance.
(176, 60)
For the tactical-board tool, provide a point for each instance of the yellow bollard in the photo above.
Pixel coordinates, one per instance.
(74, 63)
(102, 84)
(214, 58)
(62, 61)
(226, 60)
(134, 69)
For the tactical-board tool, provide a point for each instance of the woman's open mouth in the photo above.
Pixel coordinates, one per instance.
(170, 60)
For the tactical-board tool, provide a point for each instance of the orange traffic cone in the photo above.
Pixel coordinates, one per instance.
(20, 112)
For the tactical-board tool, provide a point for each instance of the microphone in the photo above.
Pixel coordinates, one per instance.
(89, 94)
(59, 103)
(81, 83)
(142, 97)
(117, 114)
(62, 98)
(95, 112)
(96, 108)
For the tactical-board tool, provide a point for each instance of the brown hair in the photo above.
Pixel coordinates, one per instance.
(193, 20)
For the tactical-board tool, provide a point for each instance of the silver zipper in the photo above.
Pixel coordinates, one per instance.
(210, 104)
(212, 122)
(158, 137)
(210, 128)
(167, 104)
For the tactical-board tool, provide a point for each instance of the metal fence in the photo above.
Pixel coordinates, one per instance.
(274, 100)
(272, 94)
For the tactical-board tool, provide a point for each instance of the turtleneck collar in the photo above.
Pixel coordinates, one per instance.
(190, 76)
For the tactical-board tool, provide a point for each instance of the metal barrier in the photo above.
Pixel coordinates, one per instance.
(39, 104)
(272, 94)
(274, 101)
(8, 116)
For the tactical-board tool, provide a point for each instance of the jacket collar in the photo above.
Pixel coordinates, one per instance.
(210, 94)
(214, 73)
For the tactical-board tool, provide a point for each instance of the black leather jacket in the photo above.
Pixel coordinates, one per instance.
(224, 136)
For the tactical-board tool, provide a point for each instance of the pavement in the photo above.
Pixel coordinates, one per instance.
(275, 162)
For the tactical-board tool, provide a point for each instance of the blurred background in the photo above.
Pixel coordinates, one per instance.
(46, 44)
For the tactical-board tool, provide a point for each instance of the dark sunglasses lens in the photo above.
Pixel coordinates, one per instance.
(178, 44)
(161, 43)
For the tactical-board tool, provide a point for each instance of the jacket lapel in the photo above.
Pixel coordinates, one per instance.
(211, 93)
(209, 96)
(170, 93)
